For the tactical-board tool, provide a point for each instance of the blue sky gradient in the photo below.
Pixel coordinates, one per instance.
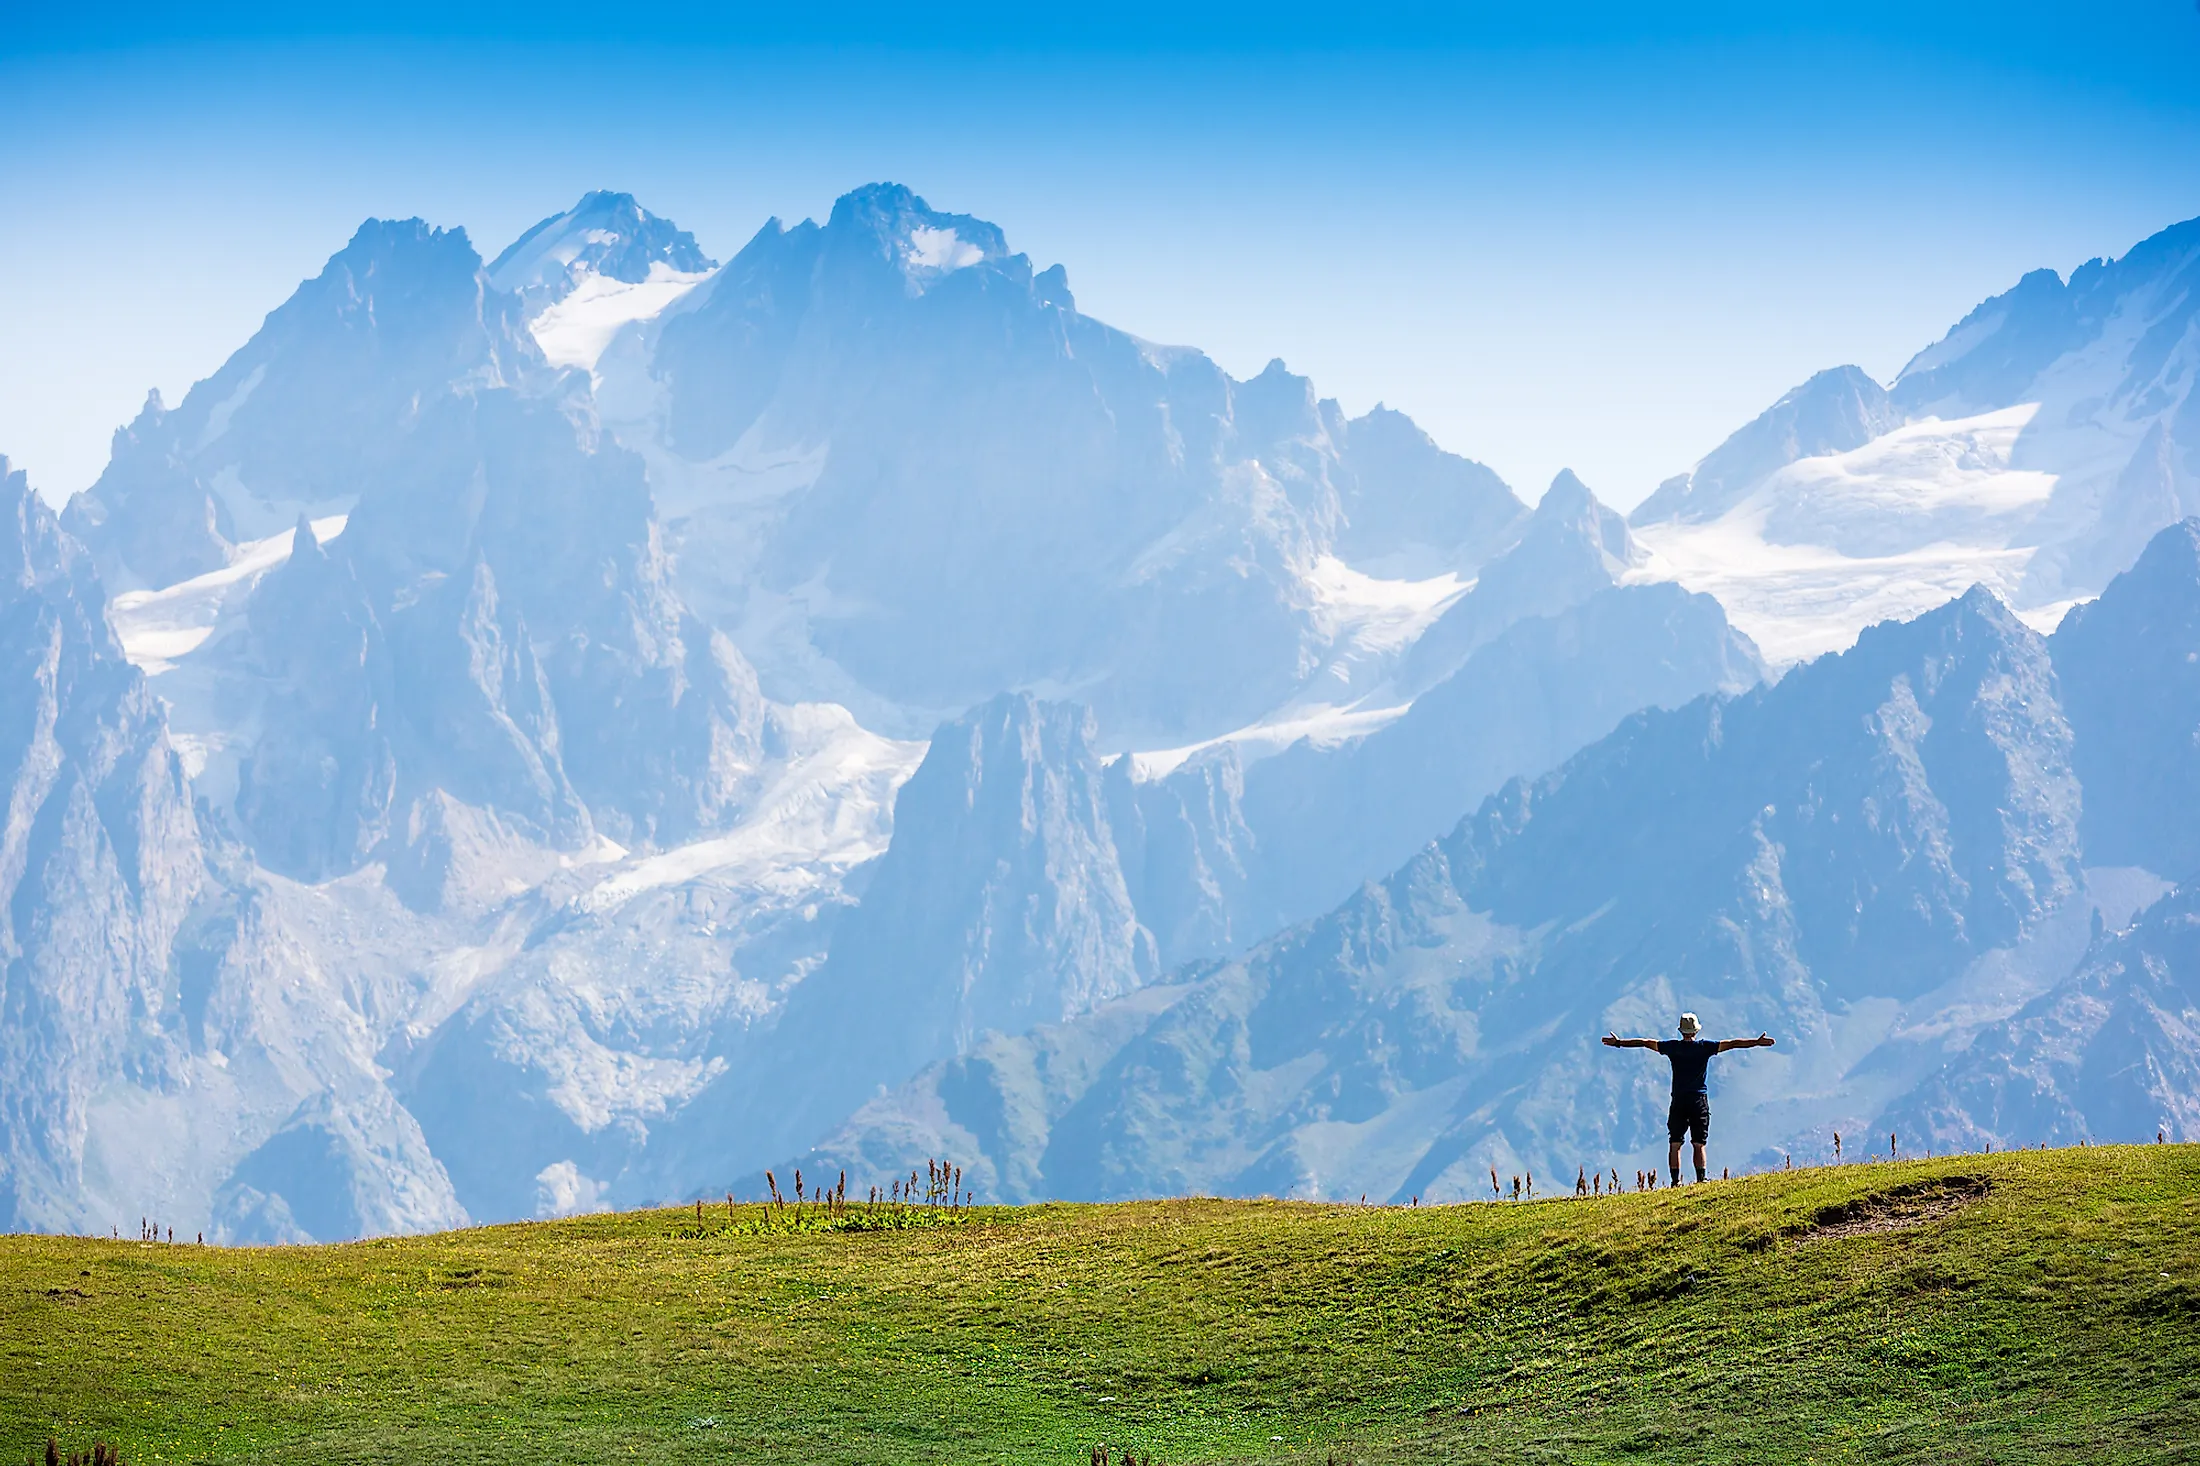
(1601, 240)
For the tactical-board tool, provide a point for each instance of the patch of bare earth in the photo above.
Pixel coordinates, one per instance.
(1895, 1210)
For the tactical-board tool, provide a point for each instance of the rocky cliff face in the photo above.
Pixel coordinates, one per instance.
(517, 524)
(496, 623)
(2107, 1052)
(1000, 905)
(99, 863)
(2107, 1055)
(2129, 666)
(1190, 861)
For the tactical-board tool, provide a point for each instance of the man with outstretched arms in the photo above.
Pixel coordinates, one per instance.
(1691, 1057)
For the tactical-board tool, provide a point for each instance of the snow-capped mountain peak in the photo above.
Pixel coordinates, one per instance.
(587, 273)
(606, 235)
(2035, 448)
(925, 244)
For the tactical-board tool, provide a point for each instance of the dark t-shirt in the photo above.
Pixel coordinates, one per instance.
(1691, 1062)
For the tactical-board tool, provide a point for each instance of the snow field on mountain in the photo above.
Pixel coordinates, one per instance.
(574, 331)
(1323, 724)
(1372, 615)
(158, 628)
(1367, 623)
(828, 806)
(1803, 601)
(1832, 544)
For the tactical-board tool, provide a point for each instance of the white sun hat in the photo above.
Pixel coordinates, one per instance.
(1689, 1025)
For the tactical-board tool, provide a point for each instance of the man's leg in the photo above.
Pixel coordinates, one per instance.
(1699, 1125)
(1699, 1161)
(1673, 1159)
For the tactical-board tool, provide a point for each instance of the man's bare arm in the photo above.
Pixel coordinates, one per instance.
(1761, 1041)
(1614, 1041)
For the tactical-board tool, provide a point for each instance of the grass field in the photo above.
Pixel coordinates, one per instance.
(2037, 1306)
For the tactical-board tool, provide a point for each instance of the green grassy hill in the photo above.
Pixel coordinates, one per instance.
(2037, 1306)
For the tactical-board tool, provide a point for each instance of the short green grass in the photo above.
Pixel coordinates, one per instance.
(2056, 1316)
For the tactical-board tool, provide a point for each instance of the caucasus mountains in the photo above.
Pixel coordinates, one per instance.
(575, 730)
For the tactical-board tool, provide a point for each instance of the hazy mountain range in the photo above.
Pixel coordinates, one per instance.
(578, 729)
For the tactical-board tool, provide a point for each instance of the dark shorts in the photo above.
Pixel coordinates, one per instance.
(1690, 1113)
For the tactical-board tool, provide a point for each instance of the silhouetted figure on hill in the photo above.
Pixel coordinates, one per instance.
(1691, 1057)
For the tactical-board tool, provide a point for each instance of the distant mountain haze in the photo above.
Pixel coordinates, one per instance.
(575, 730)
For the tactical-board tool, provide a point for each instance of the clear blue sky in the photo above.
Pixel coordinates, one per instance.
(1601, 239)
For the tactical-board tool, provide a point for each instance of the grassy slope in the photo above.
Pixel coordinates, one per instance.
(2033, 1323)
